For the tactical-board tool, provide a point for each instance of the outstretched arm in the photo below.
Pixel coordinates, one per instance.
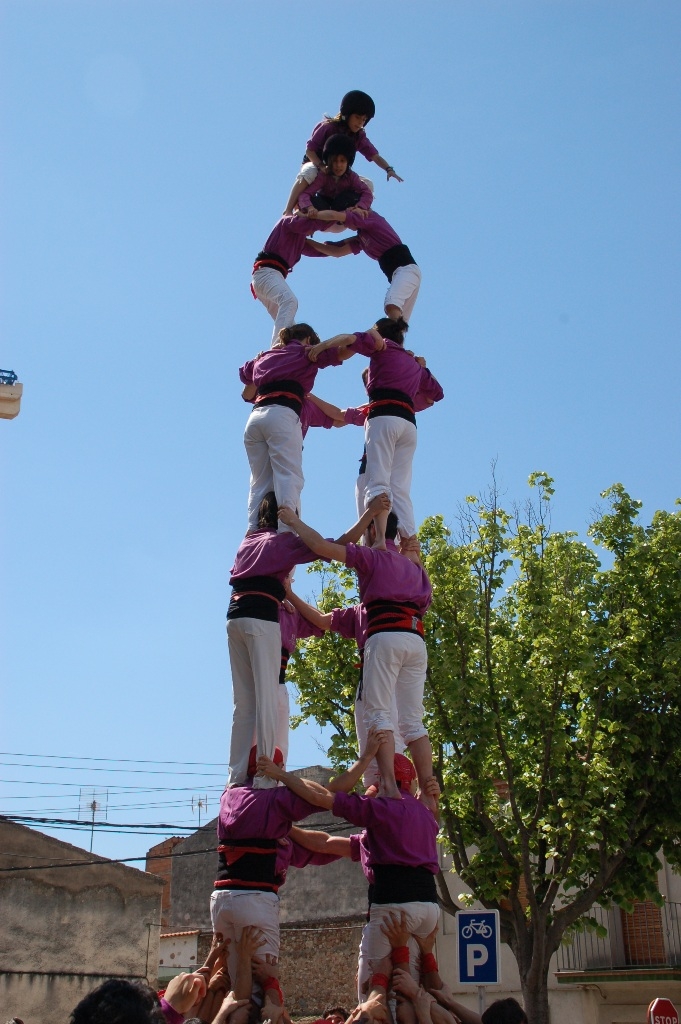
(331, 248)
(330, 410)
(320, 842)
(308, 790)
(346, 781)
(322, 620)
(381, 503)
(322, 547)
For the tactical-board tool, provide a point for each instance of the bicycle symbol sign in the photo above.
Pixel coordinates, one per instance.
(478, 947)
(476, 928)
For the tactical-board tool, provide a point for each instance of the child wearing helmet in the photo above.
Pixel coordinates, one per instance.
(356, 110)
(340, 188)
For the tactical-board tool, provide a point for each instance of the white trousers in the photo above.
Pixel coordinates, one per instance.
(371, 776)
(391, 443)
(395, 669)
(421, 919)
(231, 911)
(255, 659)
(273, 439)
(404, 290)
(271, 288)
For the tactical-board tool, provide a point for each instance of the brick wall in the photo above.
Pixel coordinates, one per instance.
(319, 966)
(162, 868)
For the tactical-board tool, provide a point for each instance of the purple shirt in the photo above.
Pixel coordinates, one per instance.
(329, 186)
(400, 832)
(374, 235)
(393, 367)
(171, 1015)
(312, 416)
(388, 576)
(326, 128)
(268, 553)
(356, 416)
(288, 362)
(351, 623)
(294, 627)
(289, 239)
(247, 813)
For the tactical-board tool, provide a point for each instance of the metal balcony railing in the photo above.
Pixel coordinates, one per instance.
(649, 937)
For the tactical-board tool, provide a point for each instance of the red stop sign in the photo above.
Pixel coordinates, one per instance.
(662, 1011)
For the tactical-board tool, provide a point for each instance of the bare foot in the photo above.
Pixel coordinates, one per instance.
(379, 545)
(391, 792)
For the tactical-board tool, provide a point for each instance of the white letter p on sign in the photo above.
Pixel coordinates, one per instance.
(476, 956)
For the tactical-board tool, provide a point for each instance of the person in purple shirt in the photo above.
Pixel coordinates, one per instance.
(356, 110)
(397, 851)
(350, 623)
(277, 382)
(396, 594)
(381, 242)
(340, 188)
(287, 242)
(395, 381)
(263, 561)
(254, 854)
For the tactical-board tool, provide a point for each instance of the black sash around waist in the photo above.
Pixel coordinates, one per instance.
(395, 883)
(256, 597)
(394, 617)
(391, 402)
(289, 393)
(271, 259)
(396, 256)
(248, 864)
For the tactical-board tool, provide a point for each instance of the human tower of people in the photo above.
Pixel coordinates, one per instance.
(258, 837)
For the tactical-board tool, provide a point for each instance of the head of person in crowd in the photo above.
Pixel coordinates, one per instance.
(505, 1011)
(119, 1002)
(268, 512)
(277, 757)
(339, 154)
(356, 109)
(405, 774)
(335, 1014)
(393, 330)
(298, 332)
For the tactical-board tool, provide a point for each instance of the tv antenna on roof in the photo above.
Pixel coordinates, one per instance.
(200, 802)
(93, 805)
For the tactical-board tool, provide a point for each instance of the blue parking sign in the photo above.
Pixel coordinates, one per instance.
(477, 933)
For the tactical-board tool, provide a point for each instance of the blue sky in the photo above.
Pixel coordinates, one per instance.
(149, 147)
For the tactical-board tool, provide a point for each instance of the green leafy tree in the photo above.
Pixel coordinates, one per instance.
(554, 708)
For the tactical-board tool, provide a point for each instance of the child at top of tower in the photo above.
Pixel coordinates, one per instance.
(356, 110)
(340, 188)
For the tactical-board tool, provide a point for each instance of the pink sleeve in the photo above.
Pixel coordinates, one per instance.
(304, 628)
(356, 416)
(366, 148)
(320, 133)
(246, 372)
(315, 417)
(355, 847)
(343, 622)
(366, 196)
(430, 387)
(305, 197)
(364, 343)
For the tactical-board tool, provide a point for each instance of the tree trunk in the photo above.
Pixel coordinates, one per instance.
(536, 995)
